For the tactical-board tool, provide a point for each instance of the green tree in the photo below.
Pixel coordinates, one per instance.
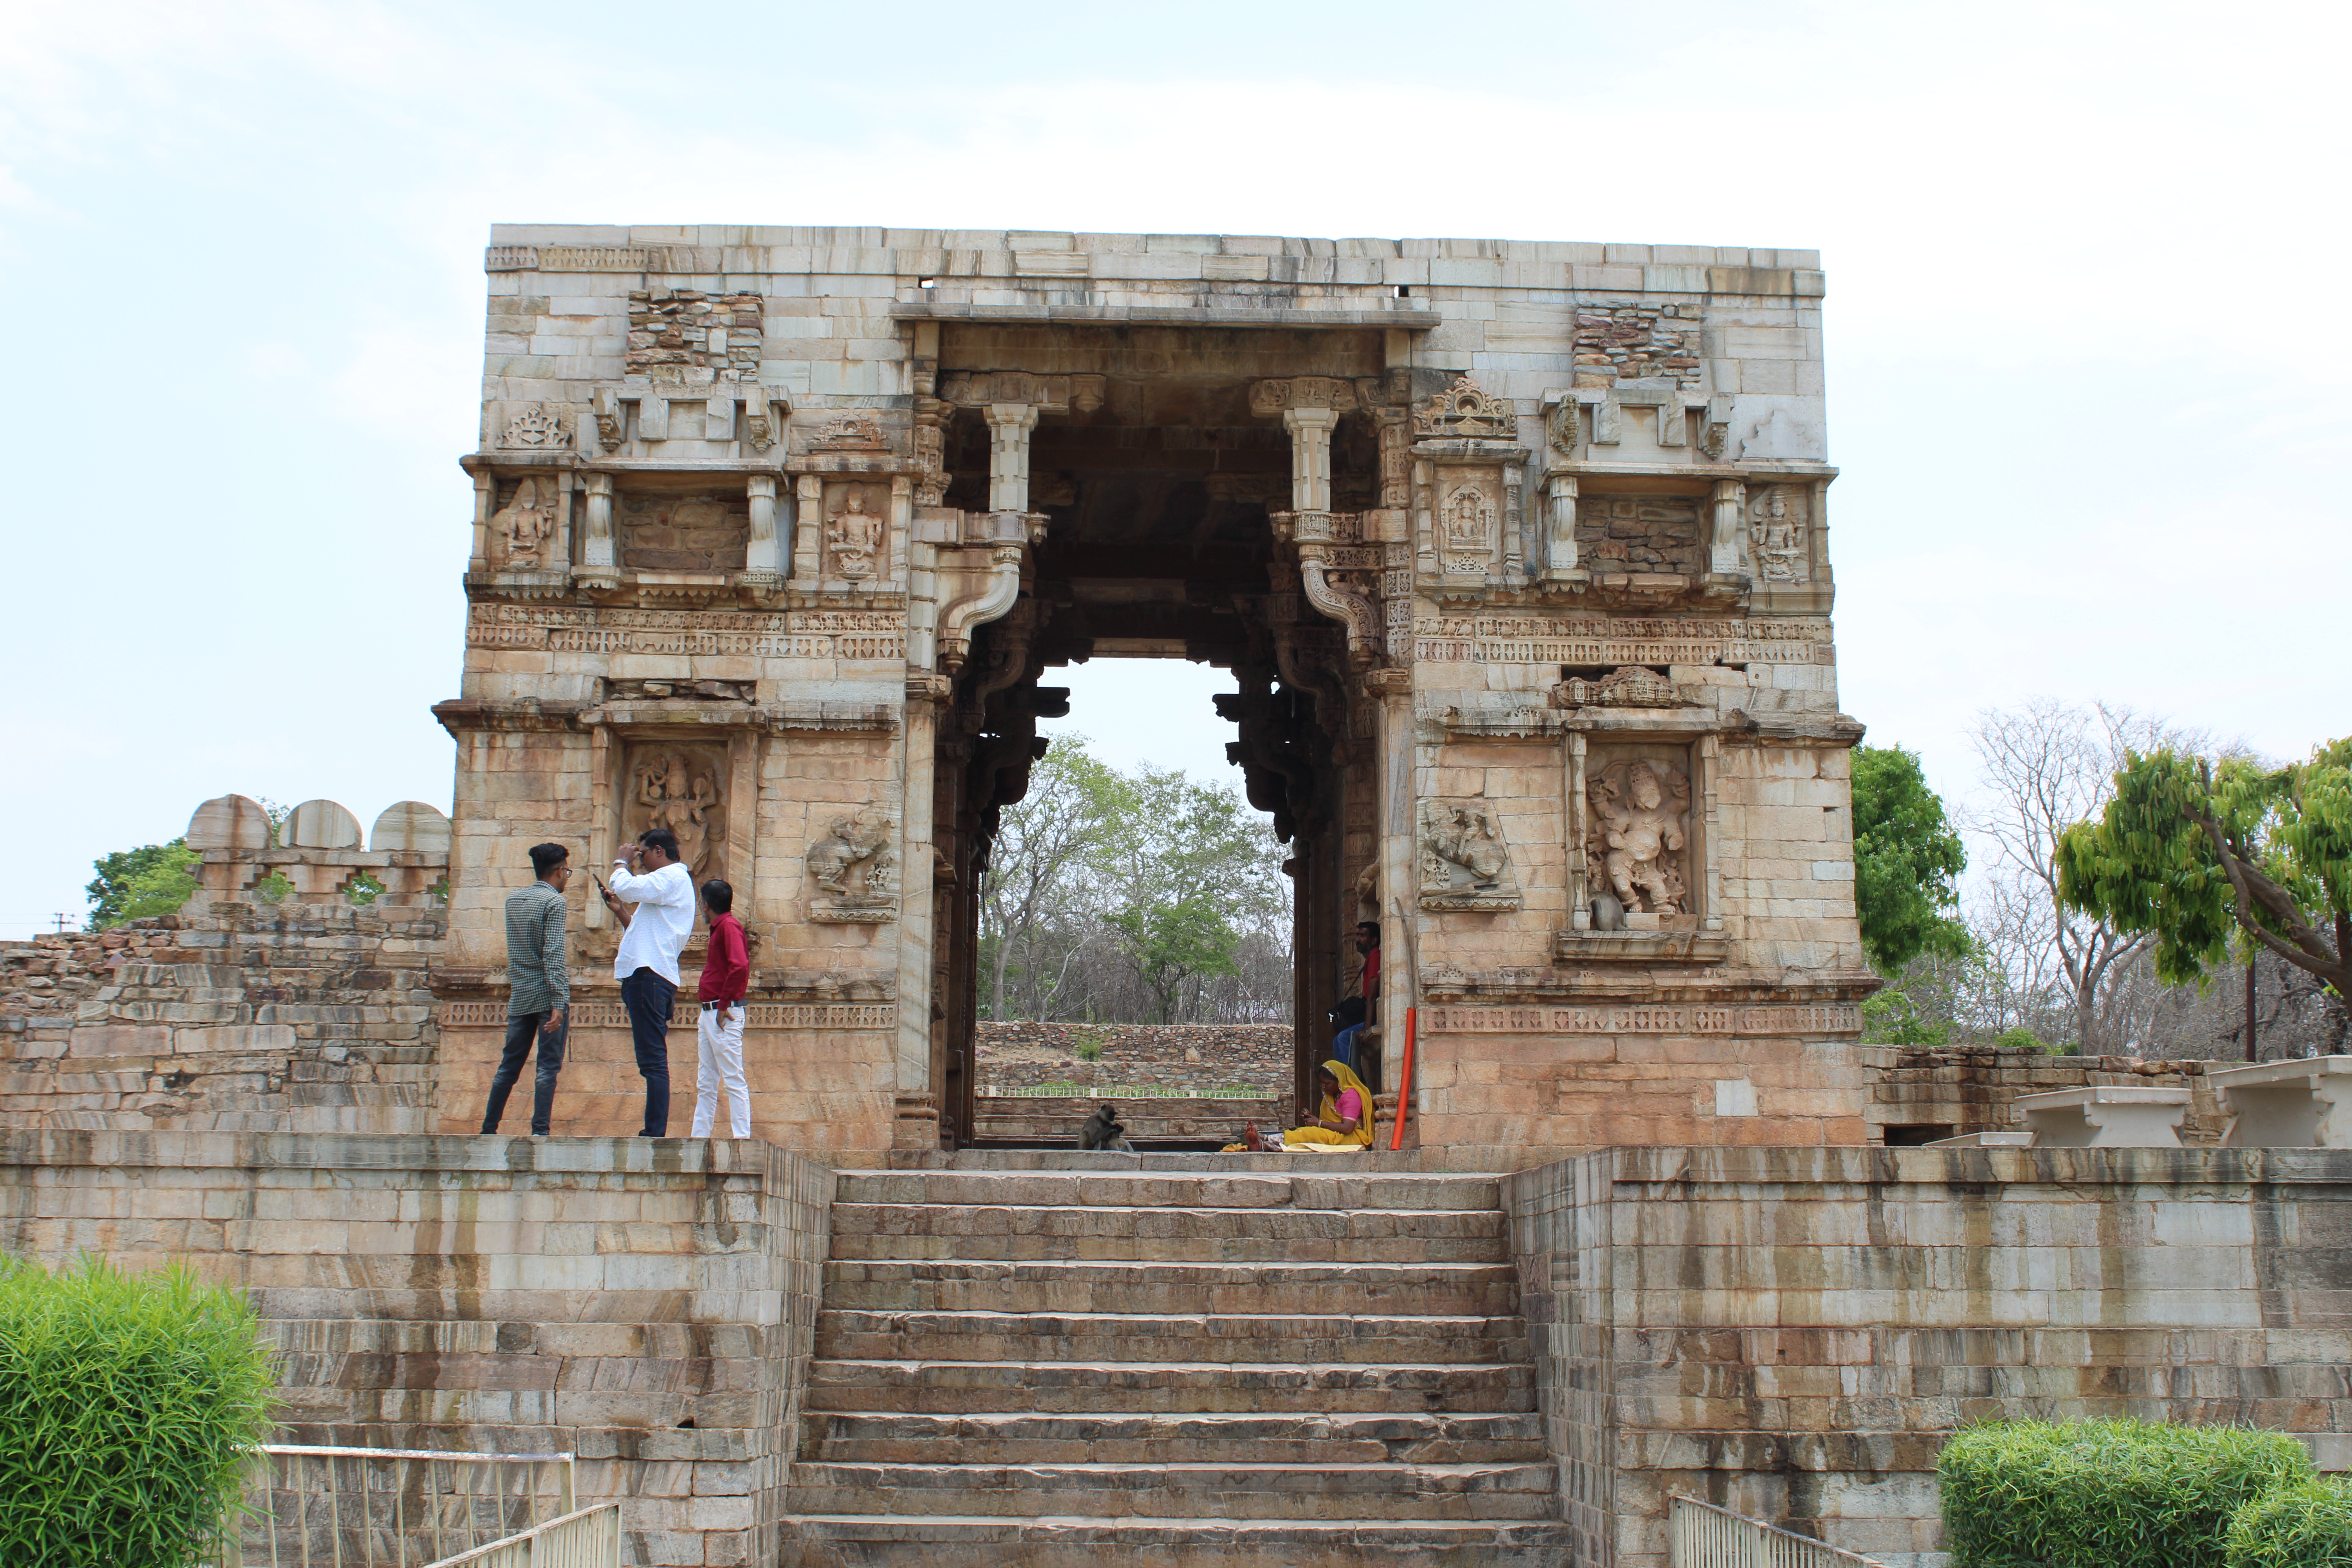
(2197, 850)
(1171, 943)
(131, 884)
(1905, 855)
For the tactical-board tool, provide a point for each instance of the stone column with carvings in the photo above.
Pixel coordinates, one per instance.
(1730, 527)
(1009, 425)
(599, 560)
(1399, 888)
(917, 1122)
(763, 559)
(808, 530)
(1559, 526)
(1311, 457)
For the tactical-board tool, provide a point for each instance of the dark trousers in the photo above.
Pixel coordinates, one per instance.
(647, 997)
(520, 1031)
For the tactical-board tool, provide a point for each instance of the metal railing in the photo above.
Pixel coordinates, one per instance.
(1706, 1536)
(1070, 1089)
(393, 1508)
(590, 1538)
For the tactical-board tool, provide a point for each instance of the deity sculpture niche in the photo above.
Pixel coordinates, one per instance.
(522, 528)
(1638, 837)
(850, 870)
(1465, 864)
(1775, 532)
(1467, 528)
(853, 534)
(679, 790)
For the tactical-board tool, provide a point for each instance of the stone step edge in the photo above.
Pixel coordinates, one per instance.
(1081, 1469)
(1253, 1368)
(957, 1316)
(1145, 1529)
(1133, 1268)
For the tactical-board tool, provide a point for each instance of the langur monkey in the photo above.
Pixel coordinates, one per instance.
(1104, 1133)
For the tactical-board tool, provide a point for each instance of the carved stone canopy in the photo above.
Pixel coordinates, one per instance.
(1631, 686)
(1466, 411)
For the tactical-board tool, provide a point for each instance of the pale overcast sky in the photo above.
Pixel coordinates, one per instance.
(2088, 400)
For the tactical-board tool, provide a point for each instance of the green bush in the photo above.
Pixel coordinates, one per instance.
(2104, 1494)
(2020, 1039)
(128, 1406)
(2306, 1526)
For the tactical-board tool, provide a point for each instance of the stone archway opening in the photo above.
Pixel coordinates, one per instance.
(1162, 485)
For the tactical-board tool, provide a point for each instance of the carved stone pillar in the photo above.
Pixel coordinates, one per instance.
(1311, 457)
(808, 542)
(763, 558)
(1009, 425)
(1580, 874)
(1399, 888)
(918, 1114)
(1559, 526)
(486, 505)
(598, 561)
(1730, 527)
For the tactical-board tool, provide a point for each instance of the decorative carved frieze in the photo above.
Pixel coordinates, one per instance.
(1640, 1019)
(850, 433)
(1630, 686)
(1464, 862)
(877, 635)
(538, 427)
(852, 870)
(1465, 411)
(1590, 640)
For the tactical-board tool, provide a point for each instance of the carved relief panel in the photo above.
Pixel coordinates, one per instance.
(523, 529)
(857, 532)
(684, 789)
(1639, 838)
(703, 533)
(1469, 513)
(853, 869)
(1778, 533)
(1464, 862)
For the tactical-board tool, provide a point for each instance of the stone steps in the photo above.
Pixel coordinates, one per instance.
(1149, 1438)
(874, 1541)
(1183, 1490)
(1156, 1336)
(961, 1386)
(1485, 1289)
(1239, 1362)
(1169, 1234)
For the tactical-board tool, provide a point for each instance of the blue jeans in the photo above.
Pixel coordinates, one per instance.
(1343, 1046)
(520, 1031)
(647, 997)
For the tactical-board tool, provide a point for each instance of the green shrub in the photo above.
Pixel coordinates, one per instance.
(1087, 1043)
(2306, 1526)
(363, 889)
(2104, 1494)
(2020, 1038)
(128, 1406)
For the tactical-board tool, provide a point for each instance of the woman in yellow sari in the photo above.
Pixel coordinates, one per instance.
(1343, 1121)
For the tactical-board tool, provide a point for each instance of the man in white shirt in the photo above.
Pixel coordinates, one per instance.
(653, 934)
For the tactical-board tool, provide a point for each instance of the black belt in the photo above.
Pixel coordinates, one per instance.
(707, 1006)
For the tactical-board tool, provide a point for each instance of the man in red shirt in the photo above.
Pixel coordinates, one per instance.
(718, 1029)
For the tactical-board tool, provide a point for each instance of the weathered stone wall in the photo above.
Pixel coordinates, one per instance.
(1196, 1059)
(1793, 1334)
(234, 1015)
(654, 1317)
(1969, 1089)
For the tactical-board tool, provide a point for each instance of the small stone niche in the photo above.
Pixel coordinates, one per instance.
(703, 533)
(1638, 534)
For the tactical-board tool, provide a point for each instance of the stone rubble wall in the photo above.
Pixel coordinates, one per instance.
(1208, 1059)
(1975, 1090)
(1794, 1333)
(656, 1318)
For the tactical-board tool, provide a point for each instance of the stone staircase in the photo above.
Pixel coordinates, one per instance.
(1249, 1367)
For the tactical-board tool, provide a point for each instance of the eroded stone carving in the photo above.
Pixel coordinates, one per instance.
(850, 870)
(1638, 835)
(679, 790)
(1467, 528)
(1630, 686)
(850, 433)
(852, 535)
(1466, 411)
(1465, 864)
(536, 428)
(1776, 533)
(522, 527)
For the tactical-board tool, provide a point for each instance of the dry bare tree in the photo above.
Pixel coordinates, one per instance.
(2048, 765)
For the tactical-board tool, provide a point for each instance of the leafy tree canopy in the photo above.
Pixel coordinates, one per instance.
(1905, 855)
(2198, 850)
(131, 884)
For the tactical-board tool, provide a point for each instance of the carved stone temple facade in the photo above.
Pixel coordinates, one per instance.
(1518, 552)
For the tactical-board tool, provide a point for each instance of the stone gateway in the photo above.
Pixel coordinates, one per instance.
(1517, 554)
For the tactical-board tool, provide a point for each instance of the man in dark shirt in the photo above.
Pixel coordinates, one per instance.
(719, 1032)
(539, 995)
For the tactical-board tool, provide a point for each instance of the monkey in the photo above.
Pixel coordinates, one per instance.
(1104, 1133)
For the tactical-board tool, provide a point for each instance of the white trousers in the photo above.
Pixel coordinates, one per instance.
(720, 1060)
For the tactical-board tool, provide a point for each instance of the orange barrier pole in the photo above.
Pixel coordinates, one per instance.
(1404, 1084)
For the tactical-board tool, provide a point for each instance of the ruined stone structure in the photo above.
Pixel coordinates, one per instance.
(1518, 553)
